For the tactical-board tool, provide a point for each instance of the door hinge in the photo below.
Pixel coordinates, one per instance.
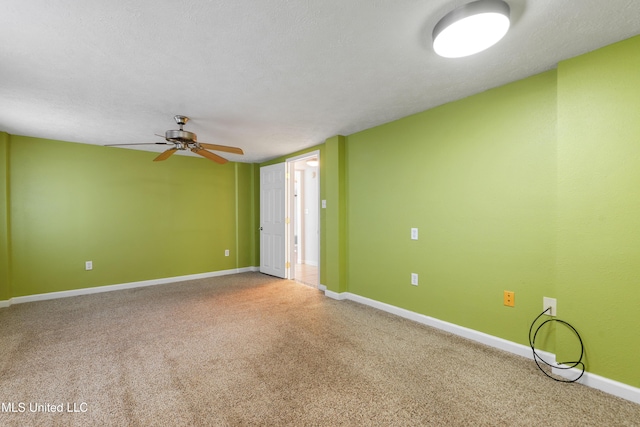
(287, 221)
(287, 265)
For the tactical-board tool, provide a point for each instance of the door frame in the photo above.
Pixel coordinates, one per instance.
(290, 209)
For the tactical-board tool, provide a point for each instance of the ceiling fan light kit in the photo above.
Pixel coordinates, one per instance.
(471, 28)
(185, 140)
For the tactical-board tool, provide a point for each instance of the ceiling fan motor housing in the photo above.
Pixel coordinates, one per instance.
(180, 136)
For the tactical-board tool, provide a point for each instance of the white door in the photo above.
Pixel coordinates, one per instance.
(272, 220)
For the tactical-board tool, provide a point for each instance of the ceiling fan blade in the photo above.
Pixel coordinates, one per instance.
(224, 148)
(140, 143)
(209, 155)
(165, 155)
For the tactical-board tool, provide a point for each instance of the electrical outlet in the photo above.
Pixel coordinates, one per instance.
(414, 234)
(226, 252)
(509, 298)
(549, 302)
(88, 265)
(414, 279)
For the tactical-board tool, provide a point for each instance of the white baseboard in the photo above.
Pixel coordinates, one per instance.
(322, 288)
(130, 285)
(336, 295)
(607, 385)
(616, 388)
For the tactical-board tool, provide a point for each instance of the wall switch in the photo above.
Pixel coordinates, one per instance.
(88, 265)
(509, 298)
(324, 204)
(226, 252)
(549, 302)
(414, 234)
(414, 279)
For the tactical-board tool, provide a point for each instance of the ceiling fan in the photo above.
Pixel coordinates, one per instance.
(185, 140)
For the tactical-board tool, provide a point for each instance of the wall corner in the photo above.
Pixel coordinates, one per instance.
(335, 214)
(5, 235)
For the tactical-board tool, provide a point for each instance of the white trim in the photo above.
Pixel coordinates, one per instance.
(130, 285)
(314, 153)
(322, 288)
(471, 334)
(616, 388)
(291, 160)
(607, 385)
(336, 295)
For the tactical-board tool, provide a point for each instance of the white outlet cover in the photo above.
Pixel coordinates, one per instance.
(88, 265)
(549, 302)
(414, 234)
(414, 279)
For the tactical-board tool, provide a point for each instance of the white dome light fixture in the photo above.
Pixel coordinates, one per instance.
(471, 28)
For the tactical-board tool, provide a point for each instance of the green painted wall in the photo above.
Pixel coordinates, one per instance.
(336, 215)
(477, 178)
(598, 264)
(530, 187)
(246, 223)
(5, 282)
(134, 218)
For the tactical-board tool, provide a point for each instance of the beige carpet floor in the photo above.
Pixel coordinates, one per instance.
(250, 349)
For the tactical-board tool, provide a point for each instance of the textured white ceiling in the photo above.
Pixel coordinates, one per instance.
(270, 76)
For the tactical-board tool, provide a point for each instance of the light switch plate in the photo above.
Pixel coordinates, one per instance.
(414, 234)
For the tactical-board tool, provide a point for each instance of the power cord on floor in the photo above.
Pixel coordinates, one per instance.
(538, 359)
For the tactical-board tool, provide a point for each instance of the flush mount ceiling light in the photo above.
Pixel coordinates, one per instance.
(313, 162)
(471, 28)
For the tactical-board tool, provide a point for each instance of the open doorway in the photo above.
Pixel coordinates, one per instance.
(304, 211)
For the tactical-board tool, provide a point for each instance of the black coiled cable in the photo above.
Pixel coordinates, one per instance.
(538, 359)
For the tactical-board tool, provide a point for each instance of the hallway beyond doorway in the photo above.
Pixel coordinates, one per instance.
(307, 274)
